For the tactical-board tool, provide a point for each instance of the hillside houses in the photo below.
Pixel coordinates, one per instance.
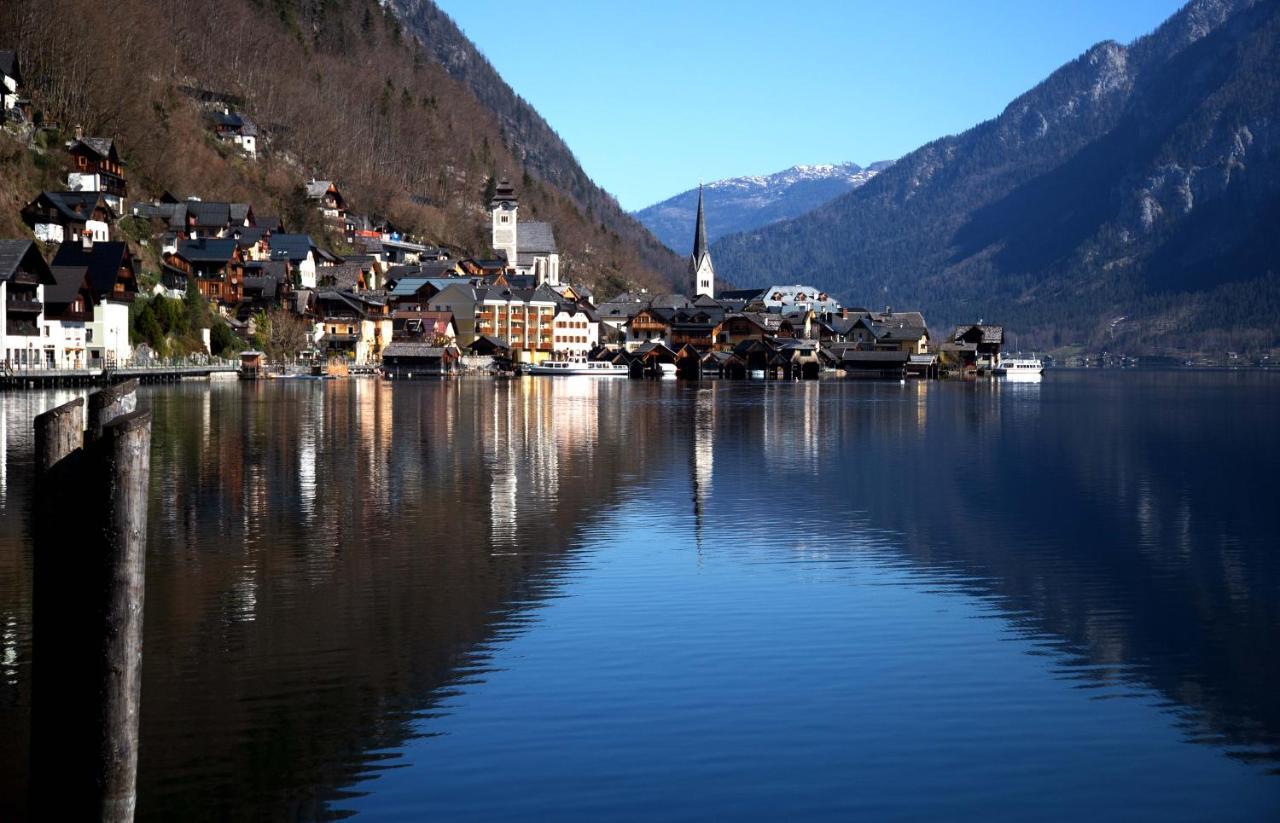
(96, 166)
(10, 83)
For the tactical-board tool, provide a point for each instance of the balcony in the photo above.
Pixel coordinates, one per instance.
(20, 306)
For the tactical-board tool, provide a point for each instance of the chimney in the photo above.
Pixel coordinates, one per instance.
(79, 133)
(86, 240)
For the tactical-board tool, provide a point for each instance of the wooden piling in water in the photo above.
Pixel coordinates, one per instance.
(90, 533)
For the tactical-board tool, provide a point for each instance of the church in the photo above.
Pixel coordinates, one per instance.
(529, 247)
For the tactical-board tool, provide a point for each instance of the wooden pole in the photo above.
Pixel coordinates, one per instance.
(108, 404)
(59, 432)
(123, 455)
(89, 576)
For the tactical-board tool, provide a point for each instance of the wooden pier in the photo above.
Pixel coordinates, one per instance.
(62, 378)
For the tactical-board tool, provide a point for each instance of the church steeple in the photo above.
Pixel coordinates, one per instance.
(702, 275)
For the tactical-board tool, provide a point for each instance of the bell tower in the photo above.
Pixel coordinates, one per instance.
(503, 208)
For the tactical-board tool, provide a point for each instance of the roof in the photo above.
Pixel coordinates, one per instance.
(504, 193)
(66, 285)
(534, 237)
(104, 147)
(15, 253)
(408, 348)
(73, 205)
(990, 334)
(743, 294)
(318, 188)
(489, 340)
(264, 284)
(207, 249)
(344, 275)
(291, 247)
(276, 269)
(409, 286)
(103, 261)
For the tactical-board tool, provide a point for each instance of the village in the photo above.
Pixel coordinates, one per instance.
(69, 294)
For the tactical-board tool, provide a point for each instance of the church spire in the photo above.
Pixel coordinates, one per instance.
(702, 275)
(700, 233)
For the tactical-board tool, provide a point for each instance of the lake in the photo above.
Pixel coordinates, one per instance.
(553, 597)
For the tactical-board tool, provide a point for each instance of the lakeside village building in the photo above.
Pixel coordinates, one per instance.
(408, 307)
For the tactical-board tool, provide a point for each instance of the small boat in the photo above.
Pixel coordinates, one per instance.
(1020, 368)
(590, 368)
(667, 371)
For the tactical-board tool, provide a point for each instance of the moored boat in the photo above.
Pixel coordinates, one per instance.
(589, 368)
(1019, 368)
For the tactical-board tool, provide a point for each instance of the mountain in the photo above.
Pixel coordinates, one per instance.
(526, 134)
(1127, 202)
(357, 91)
(745, 203)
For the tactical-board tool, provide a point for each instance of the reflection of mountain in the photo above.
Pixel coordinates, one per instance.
(1127, 521)
(329, 561)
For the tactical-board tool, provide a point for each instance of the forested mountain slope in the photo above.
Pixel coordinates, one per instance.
(1129, 200)
(340, 89)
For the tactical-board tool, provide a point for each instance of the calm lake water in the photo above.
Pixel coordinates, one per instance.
(606, 600)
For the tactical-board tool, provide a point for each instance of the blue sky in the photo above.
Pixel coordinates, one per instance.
(652, 95)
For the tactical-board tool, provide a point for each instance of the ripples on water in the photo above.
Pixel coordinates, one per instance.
(619, 599)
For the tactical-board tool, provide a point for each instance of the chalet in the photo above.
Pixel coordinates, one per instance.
(698, 326)
(753, 326)
(56, 216)
(355, 327)
(216, 265)
(96, 166)
(487, 346)
(24, 276)
(68, 311)
(324, 195)
(649, 325)
(405, 359)
(410, 324)
(235, 129)
(212, 219)
(112, 276)
(266, 285)
(985, 341)
(10, 81)
(615, 313)
(303, 256)
(346, 276)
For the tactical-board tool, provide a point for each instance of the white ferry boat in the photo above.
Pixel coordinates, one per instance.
(590, 368)
(1020, 368)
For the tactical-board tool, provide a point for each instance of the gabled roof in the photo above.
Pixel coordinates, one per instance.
(276, 269)
(103, 261)
(409, 348)
(72, 205)
(24, 254)
(68, 282)
(318, 188)
(292, 247)
(104, 147)
(990, 334)
(535, 237)
(207, 249)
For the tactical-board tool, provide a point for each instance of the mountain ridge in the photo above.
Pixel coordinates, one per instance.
(1066, 211)
(741, 203)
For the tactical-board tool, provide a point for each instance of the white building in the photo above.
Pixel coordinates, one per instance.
(23, 277)
(530, 247)
(107, 269)
(575, 333)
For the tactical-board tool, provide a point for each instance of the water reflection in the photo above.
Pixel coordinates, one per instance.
(335, 565)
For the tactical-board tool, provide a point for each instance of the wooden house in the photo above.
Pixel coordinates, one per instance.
(216, 264)
(96, 166)
(56, 216)
(24, 276)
